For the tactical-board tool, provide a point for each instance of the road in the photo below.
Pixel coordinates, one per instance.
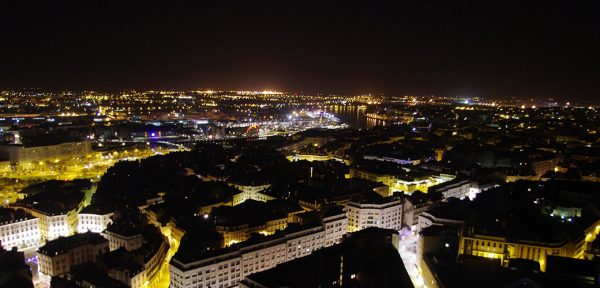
(408, 253)
(31, 260)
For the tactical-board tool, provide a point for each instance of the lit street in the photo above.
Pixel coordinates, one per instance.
(408, 252)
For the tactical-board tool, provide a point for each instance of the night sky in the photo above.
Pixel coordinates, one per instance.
(469, 48)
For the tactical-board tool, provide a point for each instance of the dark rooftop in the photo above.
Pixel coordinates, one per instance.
(13, 270)
(97, 209)
(47, 140)
(63, 244)
(192, 255)
(370, 260)
(253, 212)
(125, 229)
(56, 197)
(121, 260)
(86, 274)
(13, 215)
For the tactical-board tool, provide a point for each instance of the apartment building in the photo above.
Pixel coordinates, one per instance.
(18, 229)
(226, 267)
(95, 219)
(374, 212)
(57, 257)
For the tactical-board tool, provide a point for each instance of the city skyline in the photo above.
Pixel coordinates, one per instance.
(175, 144)
(489, 49)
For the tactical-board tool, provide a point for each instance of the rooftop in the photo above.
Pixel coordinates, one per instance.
(13, 215)
(373, 198)
(87, 273)
(252, 212)
(370, 260)
(121, 260)
(189, 257)
(46, 140)
(97, 210)
(64, 244)
(56, 197)
(517, 212)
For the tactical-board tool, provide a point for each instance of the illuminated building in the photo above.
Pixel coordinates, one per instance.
(406, 161)
(239, 233)
(226, 267)
(381, 213)
(124, 236)
(121, 265)
(56, 207)
(566, 212)
(541, 166)
(473, 243)
(54, 224)
(250, 192)
(237, 223)
(170, 229)
(18, 229)
(336, 225)
(513, 222)
(154, 255)
(57, 257)
(34, 153)
(456, 188)
(310, 157)
(400, 181)
(414, 205)
(367, 258)
(94, 219)
(137, 257)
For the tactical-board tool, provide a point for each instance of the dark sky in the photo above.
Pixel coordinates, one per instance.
(470, 48)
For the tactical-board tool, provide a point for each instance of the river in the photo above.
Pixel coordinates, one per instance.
(354, 116)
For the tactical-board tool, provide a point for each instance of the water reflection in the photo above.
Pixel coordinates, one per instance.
(354, 116)
(375, 122)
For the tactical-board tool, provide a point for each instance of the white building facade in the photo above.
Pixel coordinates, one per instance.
(22, 154)
(21, 233)
(129, 242)
(95, 222)
(387, 214)
(459, 189)
(228, 268)
(250, 192)
(58, 256)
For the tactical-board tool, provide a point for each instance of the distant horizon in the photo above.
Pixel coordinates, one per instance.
(497, 49)
(325, 94)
